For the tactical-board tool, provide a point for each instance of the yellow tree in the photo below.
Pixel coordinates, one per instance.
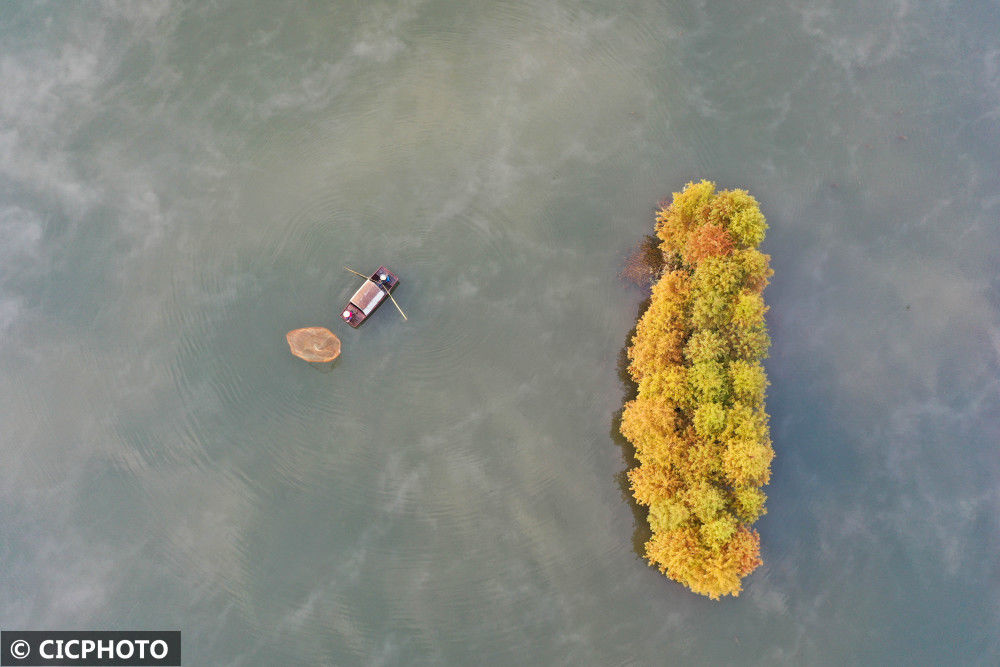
(698, 422)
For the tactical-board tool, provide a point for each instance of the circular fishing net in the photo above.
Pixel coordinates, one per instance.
(314, 344)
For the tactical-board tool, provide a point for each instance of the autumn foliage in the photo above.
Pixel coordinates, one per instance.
(698, 422)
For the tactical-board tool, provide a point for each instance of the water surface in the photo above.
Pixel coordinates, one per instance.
(181, 184)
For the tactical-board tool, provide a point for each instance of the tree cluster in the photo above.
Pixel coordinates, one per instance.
(698, 422)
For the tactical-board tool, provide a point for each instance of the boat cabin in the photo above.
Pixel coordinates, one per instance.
(369, 296)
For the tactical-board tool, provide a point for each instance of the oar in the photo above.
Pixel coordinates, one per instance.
(397, 307)
(388, 293)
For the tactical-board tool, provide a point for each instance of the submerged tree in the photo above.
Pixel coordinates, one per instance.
(698, 422)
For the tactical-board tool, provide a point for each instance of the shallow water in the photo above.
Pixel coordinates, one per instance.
(182, 184)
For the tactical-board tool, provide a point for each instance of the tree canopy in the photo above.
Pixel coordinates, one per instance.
(698, 422)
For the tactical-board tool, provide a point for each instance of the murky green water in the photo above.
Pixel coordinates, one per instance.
(181, 184)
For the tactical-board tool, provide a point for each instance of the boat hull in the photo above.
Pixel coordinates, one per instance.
(369, 296)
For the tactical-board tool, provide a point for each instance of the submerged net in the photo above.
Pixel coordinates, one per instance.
(314, 344)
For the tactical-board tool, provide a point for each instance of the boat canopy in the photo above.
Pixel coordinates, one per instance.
(367, 297)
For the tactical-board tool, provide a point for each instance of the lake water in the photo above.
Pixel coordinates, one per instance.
(182, 184)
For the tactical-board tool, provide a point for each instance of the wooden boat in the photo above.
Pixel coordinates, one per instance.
(369, 296)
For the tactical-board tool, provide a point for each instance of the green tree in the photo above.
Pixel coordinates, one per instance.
(749, 503)
(748, 226)
(748, 380)
(708, 382)
(755, 268)
(709, 419)
(705, 345)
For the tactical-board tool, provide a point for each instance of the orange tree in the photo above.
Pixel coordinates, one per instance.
(698, 422)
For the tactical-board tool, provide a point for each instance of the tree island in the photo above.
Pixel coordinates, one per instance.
(698, 422)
